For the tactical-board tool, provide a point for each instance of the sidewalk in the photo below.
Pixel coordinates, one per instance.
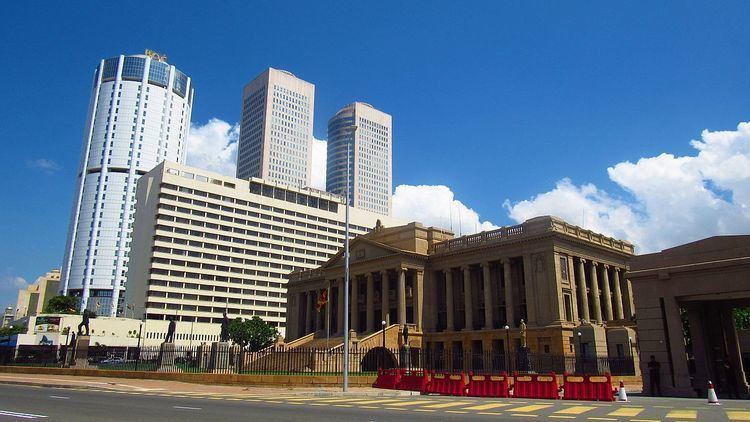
(176, 387)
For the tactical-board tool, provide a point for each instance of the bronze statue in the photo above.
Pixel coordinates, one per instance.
(406, 335)
(523, 334)
(84, 323)
(72, 340)
(170, 331)
(224, 336)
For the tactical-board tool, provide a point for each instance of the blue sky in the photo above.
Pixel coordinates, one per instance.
(494, 100)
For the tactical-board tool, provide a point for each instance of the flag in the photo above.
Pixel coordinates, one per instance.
(322, 300)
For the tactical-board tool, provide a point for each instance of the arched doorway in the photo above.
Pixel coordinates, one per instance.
(376, 358)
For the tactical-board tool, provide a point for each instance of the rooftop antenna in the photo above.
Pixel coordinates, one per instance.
(450, 207)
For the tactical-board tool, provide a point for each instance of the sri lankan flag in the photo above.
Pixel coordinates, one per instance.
(322, 300)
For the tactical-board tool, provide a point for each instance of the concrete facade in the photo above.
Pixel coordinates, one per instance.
(204, 243)
(462, 293)
(702, 281)
(33, 299)
(367, 154)
(276, 129)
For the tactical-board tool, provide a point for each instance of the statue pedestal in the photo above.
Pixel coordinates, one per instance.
(79, 356)
(523, 360)
(219, 360)
(166, 358)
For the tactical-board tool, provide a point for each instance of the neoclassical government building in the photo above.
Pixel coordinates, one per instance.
(472, 292)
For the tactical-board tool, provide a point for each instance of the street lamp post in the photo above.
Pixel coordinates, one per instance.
(632, 357)
(507, 348)
(580, 351)
(346, 266)
(382, 349)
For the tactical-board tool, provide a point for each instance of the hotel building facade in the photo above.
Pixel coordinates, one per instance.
(276, 129)
(139, 115)
(204, 243)
(461, 293)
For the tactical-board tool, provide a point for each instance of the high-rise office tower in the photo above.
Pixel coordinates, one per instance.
(367, 150)
(276, 129)
(138, 116)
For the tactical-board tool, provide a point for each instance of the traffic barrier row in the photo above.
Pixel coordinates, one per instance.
(488, 385)
(447, 384)
(588, 387)
(388, 379)
(535, 386)
(413, 380)
(532, 386)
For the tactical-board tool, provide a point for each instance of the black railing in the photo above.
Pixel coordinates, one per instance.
(222, 359)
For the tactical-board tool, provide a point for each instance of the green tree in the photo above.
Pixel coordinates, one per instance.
(252, 334)
(11, 329)
(741, 318)
(61, 305)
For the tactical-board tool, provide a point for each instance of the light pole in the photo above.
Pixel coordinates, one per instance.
(580, 351)
(630, 346)
(507, 349)
(346, 265)
(382, 349)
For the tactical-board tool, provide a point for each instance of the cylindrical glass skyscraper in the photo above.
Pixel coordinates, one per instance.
(138, 116)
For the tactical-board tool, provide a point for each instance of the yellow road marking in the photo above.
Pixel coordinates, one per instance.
(448, 404)
(487, 406)
(381, 401)
(683, 414)
(738, 416)
(524, 414)
(368, 407)
(394, 408)
(602, 419)
(644, 420)
(560, 417)
(343, 405)
(575, 410)
(423, 410)
(411, 403)
(334, 400)
(456, 411)
(626, 411)
(530, 408)
(489, 413)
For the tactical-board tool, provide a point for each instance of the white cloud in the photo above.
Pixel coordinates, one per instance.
(673, 199)
(435, 205)
(14, 282)
(319, 163)
(213, 146)
(47, 165)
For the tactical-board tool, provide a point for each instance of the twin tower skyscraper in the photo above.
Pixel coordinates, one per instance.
(276, 138)
(139, 116)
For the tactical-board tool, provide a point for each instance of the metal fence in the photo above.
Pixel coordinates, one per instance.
(220, 358)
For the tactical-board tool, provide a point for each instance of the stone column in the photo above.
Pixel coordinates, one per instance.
(418, 298)
(488, 306)
(384, 286)
(628, 300)
(606, 294)
(509, 303)
(355, 305)
(309, 315)
(451, 325)
(618, 294)
(340, 309)
(370, 303)
(469, 317)
(595, 292)
(582, 291)
(430, 303)
(401, 296)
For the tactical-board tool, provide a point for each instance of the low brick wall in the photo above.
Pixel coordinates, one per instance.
(201, 378)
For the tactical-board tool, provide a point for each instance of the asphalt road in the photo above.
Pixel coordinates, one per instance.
(19, 402)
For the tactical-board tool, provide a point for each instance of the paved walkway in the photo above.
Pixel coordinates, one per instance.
(155, 386)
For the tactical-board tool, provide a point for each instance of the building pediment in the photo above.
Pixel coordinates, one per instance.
(362, 249)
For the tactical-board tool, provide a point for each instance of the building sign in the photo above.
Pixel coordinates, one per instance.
(45, 324)
(156, 56)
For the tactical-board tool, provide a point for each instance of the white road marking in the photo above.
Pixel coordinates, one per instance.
(59, 397)
(20, 415)
(186, 408)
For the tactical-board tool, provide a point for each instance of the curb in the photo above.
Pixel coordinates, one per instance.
(390, 393)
